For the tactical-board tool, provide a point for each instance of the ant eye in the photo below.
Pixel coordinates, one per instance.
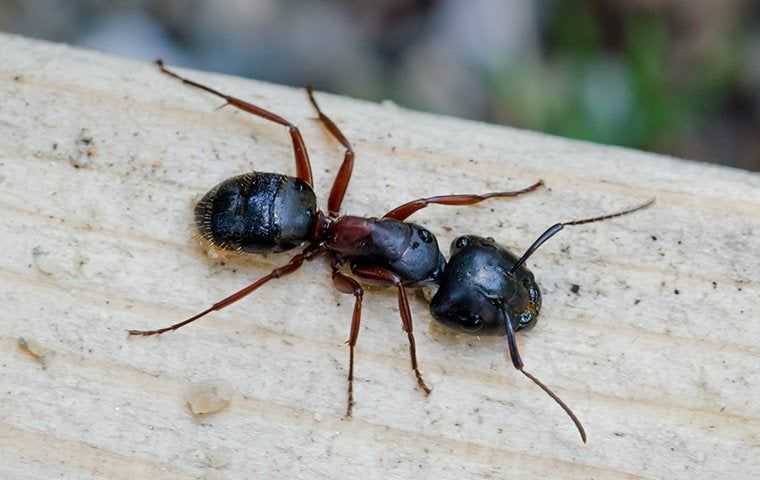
(462, 242)
(425, 235)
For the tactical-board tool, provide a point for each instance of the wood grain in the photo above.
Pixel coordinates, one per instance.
(101, 160)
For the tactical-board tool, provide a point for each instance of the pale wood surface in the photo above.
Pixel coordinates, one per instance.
(666, 383)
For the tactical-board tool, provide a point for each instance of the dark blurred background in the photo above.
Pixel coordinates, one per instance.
(673, 76)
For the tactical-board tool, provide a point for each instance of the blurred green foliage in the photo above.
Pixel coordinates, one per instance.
(630, 86)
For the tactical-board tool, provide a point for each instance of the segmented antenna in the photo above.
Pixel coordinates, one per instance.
(518, 363)
(557, 227)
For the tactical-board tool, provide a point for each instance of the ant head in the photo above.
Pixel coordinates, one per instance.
(478, 288)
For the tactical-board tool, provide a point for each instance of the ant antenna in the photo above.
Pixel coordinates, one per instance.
(557, 227)
(518, 363)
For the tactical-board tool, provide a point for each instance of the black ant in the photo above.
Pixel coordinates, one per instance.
(269, 212)
(484, 288)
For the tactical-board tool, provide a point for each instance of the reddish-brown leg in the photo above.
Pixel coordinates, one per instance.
(346, 284)
(340, 185)
(293, 265)
(303, 166)
(381, 275)
(404, 211)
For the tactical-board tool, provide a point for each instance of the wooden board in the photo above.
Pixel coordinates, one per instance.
(101, 160)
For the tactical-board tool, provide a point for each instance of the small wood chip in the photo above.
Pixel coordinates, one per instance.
(209, 397)
(33, 349)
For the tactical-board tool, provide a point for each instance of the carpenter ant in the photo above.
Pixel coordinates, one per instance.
(269, 212)
(486, 290)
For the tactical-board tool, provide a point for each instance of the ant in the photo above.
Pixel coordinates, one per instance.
(269, 212)
(483, 289)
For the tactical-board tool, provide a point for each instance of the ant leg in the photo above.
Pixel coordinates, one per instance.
(340, 185)
(346, 284)
(404, 211)
(293, 265)
(303, 166)
(382, 275)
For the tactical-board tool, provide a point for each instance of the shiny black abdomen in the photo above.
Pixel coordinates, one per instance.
(477, 285)
(257, 212)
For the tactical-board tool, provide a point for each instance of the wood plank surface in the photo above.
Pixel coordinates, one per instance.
(101, 161)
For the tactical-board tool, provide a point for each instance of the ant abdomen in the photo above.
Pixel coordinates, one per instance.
(257, 212)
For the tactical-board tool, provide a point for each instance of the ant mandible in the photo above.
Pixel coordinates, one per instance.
(269, 212)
